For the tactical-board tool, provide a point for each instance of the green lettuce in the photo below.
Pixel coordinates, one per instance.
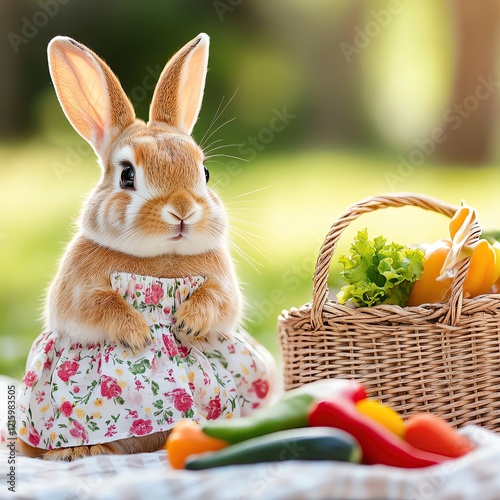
(378, 273)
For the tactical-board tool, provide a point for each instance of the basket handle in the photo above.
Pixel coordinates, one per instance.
(395, 200)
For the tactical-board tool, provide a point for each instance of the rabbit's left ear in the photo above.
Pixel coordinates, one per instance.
(89, 92)
(179, 92)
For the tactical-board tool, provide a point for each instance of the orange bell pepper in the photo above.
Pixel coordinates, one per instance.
(484, 269)
(428, 288)
(187, 438)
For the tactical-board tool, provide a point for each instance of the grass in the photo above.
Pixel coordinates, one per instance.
(281, 207)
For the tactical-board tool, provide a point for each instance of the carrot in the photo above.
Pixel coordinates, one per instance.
(187, 438)
(433, 434)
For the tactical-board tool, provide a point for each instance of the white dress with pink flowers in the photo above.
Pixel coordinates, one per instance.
(74, 394)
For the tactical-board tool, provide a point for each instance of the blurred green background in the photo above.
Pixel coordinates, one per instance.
(326, 103)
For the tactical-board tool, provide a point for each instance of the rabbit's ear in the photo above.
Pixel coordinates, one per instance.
(179, 92)
(89, 92)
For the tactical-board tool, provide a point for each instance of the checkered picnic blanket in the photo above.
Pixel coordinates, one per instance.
(148, 476)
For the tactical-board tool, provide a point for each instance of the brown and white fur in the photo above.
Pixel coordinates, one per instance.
(166, 222)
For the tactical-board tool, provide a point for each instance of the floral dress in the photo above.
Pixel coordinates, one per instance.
(81, 394)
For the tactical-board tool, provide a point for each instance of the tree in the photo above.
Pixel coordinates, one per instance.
(472, 112)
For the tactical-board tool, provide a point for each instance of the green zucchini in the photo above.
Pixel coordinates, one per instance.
(288, 413)
(309, 443)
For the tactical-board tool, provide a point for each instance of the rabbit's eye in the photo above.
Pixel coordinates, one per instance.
(207, 174)
(127, 179)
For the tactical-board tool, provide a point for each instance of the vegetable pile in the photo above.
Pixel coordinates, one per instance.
(325, 420)
(381, 273)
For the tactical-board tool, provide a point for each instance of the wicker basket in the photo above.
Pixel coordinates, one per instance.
(443, 358)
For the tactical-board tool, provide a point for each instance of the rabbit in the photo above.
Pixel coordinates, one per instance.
(152, 217)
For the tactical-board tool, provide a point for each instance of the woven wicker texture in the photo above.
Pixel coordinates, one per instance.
(443, 358)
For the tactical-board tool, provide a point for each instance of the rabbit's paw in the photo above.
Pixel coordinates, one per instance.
(192, 321)
(133, 333)
(76, 452)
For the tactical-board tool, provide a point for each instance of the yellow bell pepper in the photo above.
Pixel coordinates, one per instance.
(459, 219)
(443, 256)
(384, 415)
(496, 248)
(482, 270)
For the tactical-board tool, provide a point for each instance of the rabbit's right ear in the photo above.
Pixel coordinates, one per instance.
(179, 91)
(89, 92)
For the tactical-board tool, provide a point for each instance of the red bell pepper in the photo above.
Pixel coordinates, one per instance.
(378, 444)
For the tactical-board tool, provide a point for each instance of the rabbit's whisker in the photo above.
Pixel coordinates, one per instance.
(209, 151)
(218, 155)
(217, 115)
(251, 192)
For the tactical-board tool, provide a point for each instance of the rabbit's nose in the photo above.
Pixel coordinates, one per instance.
(175, 215)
